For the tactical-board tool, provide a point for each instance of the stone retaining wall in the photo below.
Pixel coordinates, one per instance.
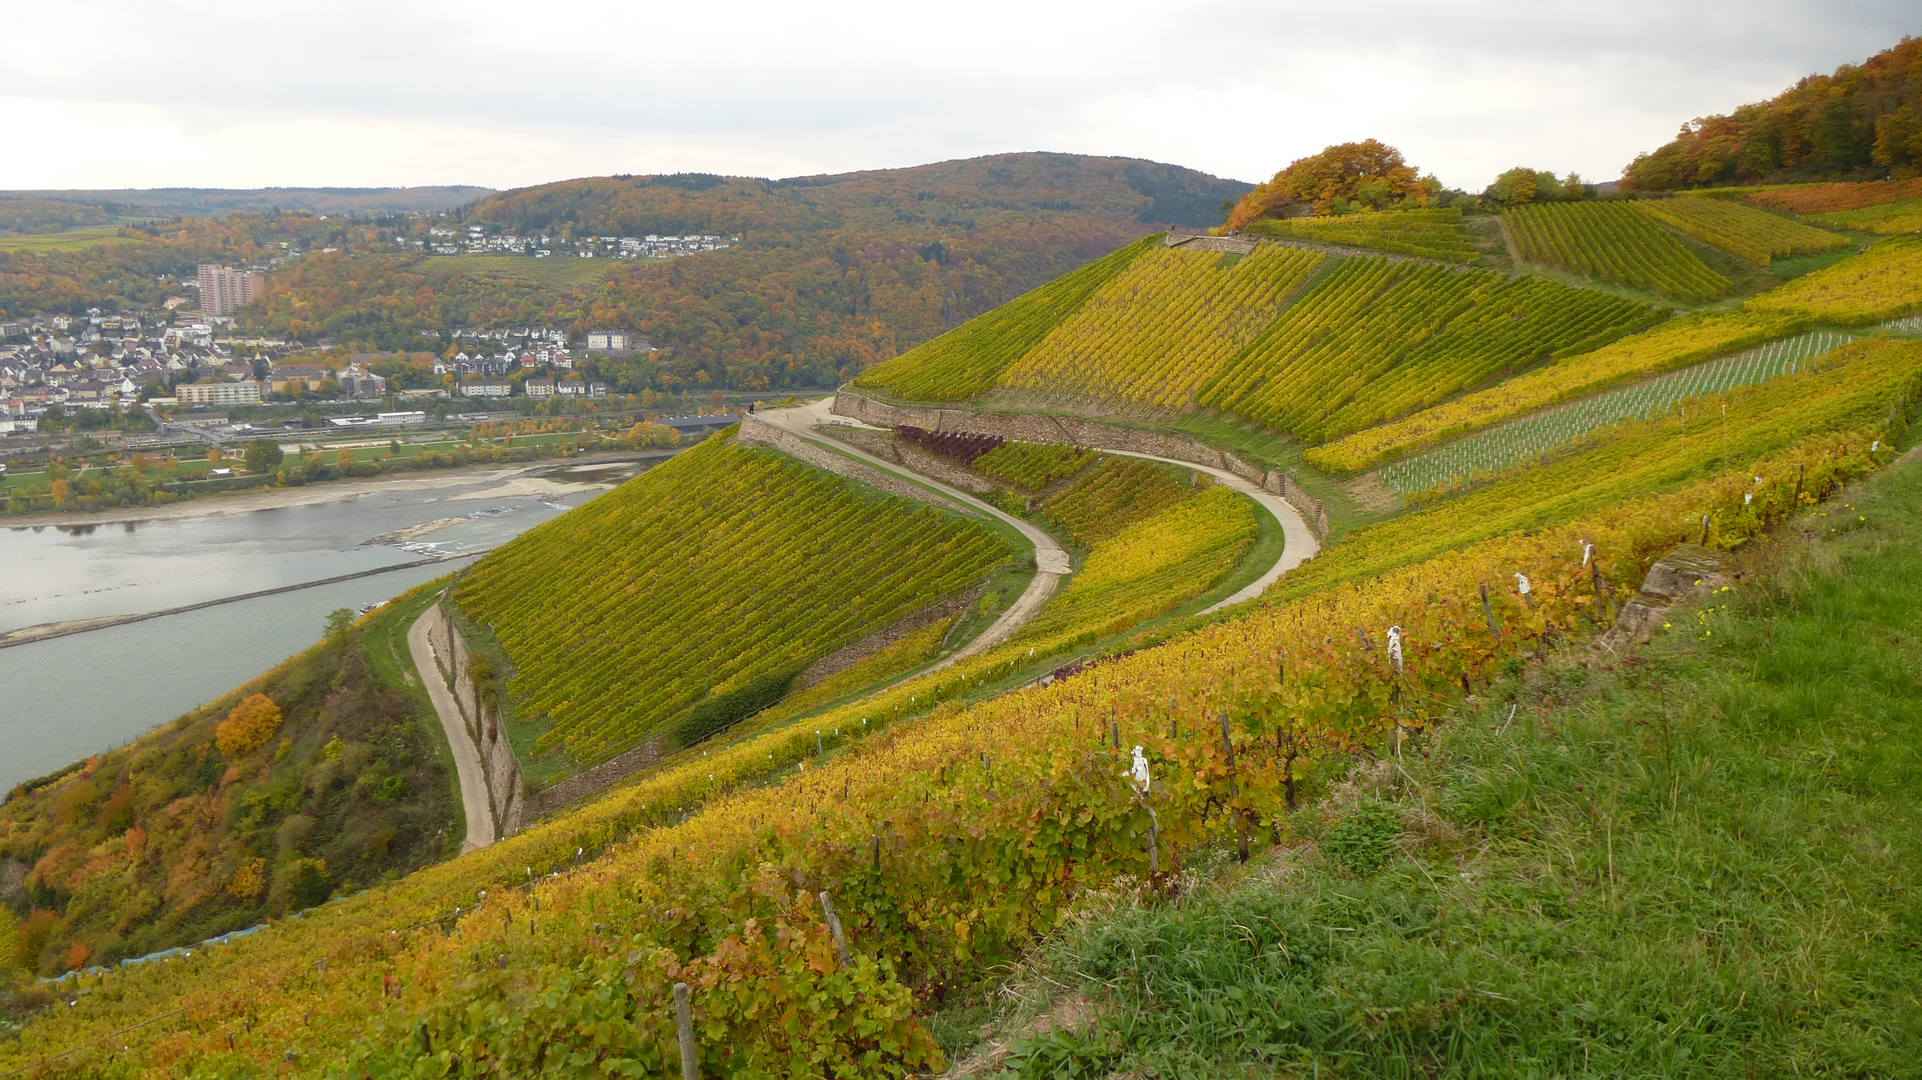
(758, 432)
(499, 770)
(1077, 431)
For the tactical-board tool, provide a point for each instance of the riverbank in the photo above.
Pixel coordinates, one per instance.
(530, 480)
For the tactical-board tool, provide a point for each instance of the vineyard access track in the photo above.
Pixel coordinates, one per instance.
(1050, 558)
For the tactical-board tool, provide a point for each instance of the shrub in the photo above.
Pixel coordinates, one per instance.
(1364, 840)
(248, 726)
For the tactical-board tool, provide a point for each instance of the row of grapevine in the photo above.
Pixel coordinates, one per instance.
(1435, 234)
(947, 846)
(970, 358)
(1866, 385)
(1032, 465)
(1155, 332)
(1374, 339)
(1889, 220)
(1881, 283)
(1663, 348)
(719, 567)
(1828, 198)
(1910, 325)
(1114, 495)
(1504, 447)
(1149, 568)
(1755, 235)
(1612, 241)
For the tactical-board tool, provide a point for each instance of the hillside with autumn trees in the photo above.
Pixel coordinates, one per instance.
(830, 274)
(1863, 122)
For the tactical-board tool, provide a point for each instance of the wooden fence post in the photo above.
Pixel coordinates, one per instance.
(684, 1028)
(834, 925)
(1234, 791)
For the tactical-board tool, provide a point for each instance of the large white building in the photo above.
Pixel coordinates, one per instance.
(224, 290)
(245, 392)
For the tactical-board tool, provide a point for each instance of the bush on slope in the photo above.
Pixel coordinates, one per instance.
(721, 567)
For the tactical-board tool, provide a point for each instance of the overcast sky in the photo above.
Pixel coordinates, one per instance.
(133, 93)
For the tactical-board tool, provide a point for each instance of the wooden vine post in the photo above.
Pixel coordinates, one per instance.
(684, 1028)
(834, 926)
(1234, 792)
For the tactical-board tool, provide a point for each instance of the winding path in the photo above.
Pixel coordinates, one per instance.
(1050, 558)
(467, 763)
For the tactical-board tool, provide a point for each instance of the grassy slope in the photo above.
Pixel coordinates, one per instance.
(1701, 863)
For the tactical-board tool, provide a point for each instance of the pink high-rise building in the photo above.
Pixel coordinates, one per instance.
(224, 290)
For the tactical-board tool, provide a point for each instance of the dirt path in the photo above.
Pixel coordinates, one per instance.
(467, 763)
(1050, 558)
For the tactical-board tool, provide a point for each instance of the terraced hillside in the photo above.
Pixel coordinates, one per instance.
(704, 587)
(1308, 343)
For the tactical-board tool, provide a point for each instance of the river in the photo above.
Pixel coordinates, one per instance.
(66, 698)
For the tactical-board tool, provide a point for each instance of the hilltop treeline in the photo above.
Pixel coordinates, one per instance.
(1862, 122)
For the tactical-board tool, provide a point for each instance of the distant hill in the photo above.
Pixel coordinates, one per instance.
(214, 202)
(824, 276)
(1864, 122)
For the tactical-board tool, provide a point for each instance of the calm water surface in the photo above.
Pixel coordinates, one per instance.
(64, 699)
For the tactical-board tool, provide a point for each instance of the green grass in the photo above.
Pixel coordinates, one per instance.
(71, 240)
(555, 273)
(1704, 862)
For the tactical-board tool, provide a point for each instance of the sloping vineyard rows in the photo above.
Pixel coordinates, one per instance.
(1114, 495)
(1611, 241)
(1868, 387)
(1883, 282)
(1032, 465)
(1890, 220)
(1374, 339)
(1827, 198)
(1150, 568)
(958, 446)
(970, 358)
(1670, 345)
(1511, 444)
(1755, 235)
(1910, 325)
(720, 566)
(947, 847)
(1435, 234)
(1158, 330)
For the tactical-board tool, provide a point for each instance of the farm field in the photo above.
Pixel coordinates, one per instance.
(1163, 327)
(1889, 219)
(551, 273)
(1374, 339)
(1612, 241)
(71, 240)
(1881, 283)
(1753, 234)
(734, 569)
(1434, 234)
(972, 357)
(1666, 346)
(1501, 448)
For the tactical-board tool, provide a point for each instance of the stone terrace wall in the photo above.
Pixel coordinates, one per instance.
(1077, 431)
(498, 767)
(758, 432)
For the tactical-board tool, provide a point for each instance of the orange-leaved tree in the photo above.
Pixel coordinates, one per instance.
(1367, 174)
(248, 726)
